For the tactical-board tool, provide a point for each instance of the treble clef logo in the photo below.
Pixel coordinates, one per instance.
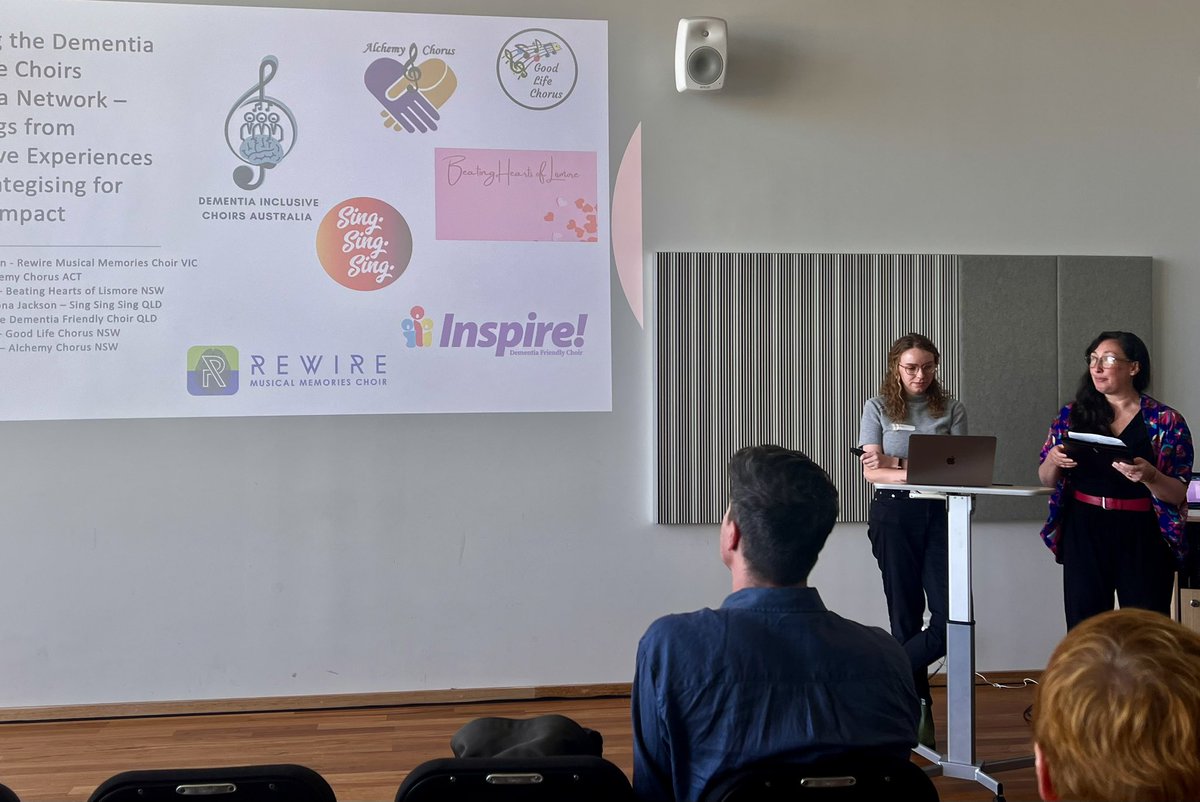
(516, 62)
(412, 73)
(263, 128)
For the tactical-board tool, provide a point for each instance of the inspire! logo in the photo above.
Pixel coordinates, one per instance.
(418, 329)
(212, 370)
(529, 337)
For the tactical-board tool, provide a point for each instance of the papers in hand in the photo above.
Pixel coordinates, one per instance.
(1098, 439)
(1096, 452)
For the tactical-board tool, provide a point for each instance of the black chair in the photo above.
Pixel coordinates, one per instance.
(567, 778)
(275, 783)
(7, 795)
(849, 778)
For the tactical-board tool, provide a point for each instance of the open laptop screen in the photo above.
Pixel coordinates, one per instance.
(947, 459)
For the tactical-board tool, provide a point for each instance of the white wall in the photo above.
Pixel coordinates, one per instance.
(525, 554)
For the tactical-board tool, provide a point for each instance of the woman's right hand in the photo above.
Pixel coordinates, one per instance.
(1056, 461)
(873, 459)
(880, 467)
(1057, 457)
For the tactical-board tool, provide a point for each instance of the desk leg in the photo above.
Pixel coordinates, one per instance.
(960, 639)
(959, 760)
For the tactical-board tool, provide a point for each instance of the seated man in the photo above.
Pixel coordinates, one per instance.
(1117, 714)
(771, 675)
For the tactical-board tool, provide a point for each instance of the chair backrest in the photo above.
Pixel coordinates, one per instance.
(275, 783)
(567, 778)
(849, 778)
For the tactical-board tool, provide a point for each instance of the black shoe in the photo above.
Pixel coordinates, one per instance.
(925, 734)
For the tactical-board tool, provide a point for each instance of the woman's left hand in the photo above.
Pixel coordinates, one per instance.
(1137, 471)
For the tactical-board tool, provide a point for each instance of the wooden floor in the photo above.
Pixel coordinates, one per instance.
(365, 753)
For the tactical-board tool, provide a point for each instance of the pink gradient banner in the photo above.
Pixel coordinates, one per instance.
(516, 195)
(627, 224)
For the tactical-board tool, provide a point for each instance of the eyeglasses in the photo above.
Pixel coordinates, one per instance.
(913, 370)
(1105, 362)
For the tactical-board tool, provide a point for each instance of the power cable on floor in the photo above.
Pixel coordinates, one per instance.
(1025, 682)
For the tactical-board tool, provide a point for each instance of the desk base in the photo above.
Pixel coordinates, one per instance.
(959, 761)
(975, 772)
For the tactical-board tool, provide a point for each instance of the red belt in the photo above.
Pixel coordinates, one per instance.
(1123, 504)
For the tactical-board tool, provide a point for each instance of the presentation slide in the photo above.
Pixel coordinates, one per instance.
(229, 211)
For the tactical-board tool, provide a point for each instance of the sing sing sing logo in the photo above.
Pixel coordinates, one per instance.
(364, 244)
(212, 370)
(265, 131)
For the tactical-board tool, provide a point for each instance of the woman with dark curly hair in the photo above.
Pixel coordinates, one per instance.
(1118, 529)
(908, 535)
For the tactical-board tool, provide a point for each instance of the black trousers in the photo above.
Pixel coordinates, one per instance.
(1107, 551)
(910, 542)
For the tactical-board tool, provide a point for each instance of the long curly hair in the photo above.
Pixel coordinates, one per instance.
(891, 390)
(1091, 411)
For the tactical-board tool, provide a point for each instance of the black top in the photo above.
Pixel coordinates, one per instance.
(1109, 482)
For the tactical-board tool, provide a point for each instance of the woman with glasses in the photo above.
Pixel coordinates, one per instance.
(908, 535)
(1117, 528)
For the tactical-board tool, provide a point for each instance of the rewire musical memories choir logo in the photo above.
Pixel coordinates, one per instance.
(212, 370)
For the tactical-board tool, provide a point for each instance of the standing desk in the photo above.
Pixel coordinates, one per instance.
(959, 759)
(1187, 589)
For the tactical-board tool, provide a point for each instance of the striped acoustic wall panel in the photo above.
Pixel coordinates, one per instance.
(782, 348)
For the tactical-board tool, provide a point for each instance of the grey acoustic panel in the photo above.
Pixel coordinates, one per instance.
(1010, 367)
(1095, 294)
(781, 348)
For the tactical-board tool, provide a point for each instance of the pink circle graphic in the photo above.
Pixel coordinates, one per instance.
(364, 244)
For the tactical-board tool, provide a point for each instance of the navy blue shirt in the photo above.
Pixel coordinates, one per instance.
(771, 675)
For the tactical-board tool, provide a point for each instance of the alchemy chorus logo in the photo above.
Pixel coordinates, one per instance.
(411, 93)
(212, 370)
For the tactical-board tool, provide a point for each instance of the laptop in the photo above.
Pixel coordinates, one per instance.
(951, 459)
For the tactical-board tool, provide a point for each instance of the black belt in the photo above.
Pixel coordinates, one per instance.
(886, 494)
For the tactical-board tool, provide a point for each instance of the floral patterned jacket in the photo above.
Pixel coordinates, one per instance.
(1170, 439)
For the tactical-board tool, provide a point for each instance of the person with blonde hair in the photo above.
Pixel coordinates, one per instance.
(1117, 713)
(908, 535)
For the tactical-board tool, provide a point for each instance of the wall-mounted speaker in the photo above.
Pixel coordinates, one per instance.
(701, 54)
